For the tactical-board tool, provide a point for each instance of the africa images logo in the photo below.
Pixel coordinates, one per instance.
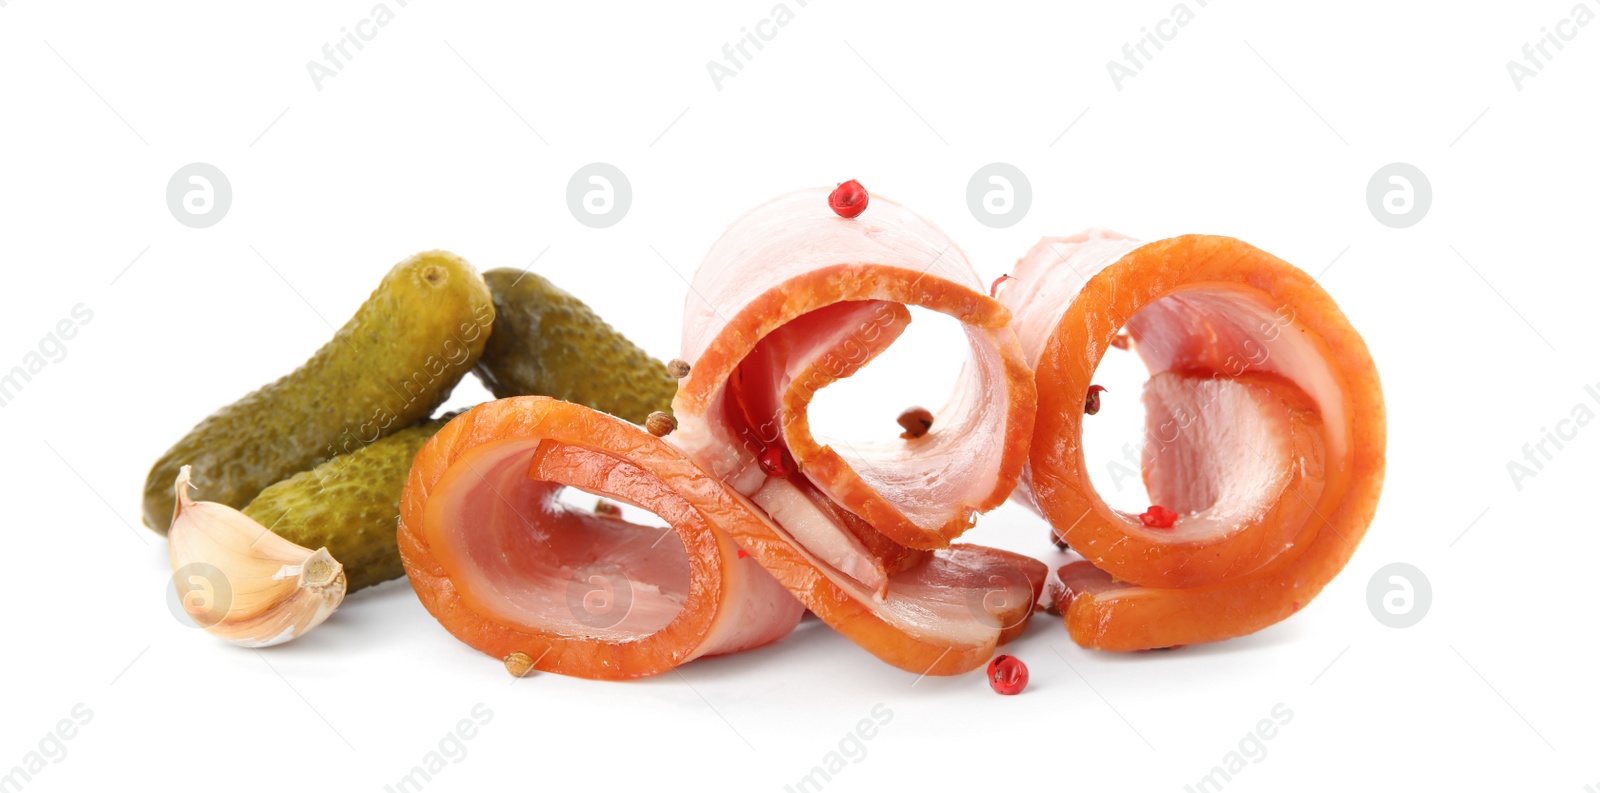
(1538, 54)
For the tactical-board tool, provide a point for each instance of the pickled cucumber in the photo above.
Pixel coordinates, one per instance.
(396, 360)
(349, 505)
(547, 342)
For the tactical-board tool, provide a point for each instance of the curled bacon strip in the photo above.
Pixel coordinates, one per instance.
(793, 298)
(1264, 432)
(508, 568)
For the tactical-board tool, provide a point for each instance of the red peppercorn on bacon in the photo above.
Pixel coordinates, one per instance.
(507, 568)
(1264, 434)
(795, 296)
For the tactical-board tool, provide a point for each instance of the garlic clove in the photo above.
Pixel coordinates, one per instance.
(241, 582)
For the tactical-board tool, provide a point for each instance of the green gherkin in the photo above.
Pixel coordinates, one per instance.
(396, 360)
(547, 342)
(349, 505)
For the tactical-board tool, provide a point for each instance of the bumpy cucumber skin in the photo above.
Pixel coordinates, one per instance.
(396, 360)
(349, 505)
(547, 342)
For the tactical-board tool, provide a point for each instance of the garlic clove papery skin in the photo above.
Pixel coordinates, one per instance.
(241, 582)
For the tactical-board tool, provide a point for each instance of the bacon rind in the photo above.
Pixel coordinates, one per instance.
(792, 256)
(1071, 298)
(781, 267)
(732, 603)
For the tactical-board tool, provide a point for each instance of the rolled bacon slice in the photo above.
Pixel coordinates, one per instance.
(507, 568)
(792, 298)
(1264, 432)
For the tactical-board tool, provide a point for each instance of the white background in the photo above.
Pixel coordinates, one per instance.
(1259, 120)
